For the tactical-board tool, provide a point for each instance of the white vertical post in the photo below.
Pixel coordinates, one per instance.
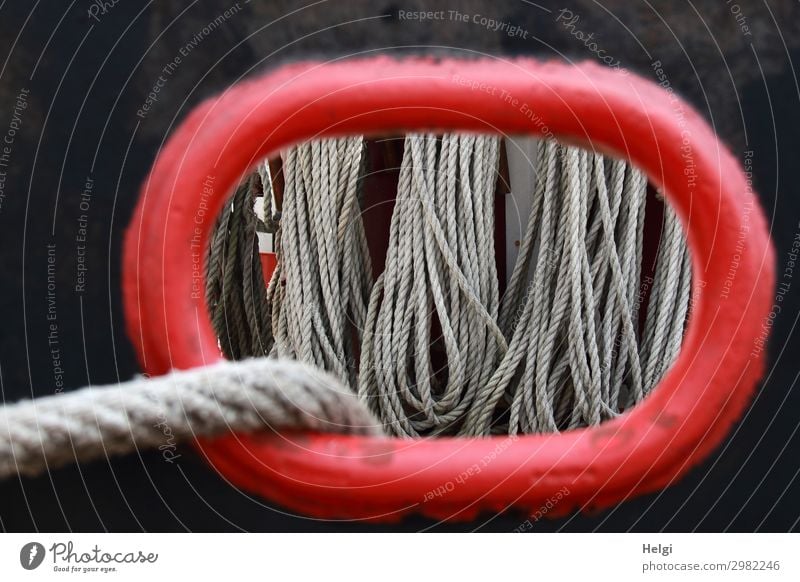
(521, 153)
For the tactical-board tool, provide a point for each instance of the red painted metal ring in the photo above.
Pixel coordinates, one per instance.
(332, 476)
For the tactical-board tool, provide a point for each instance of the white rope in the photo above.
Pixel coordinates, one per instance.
(441, 354)
(669, 301)
(321, 287)
(440, 271)
(249, 395)
(563, 326)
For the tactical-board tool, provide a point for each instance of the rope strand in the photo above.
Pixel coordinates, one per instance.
(83, 425)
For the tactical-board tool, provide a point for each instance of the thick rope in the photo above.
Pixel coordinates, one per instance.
(250, 395)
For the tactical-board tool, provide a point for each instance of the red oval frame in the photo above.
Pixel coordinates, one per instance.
(334, 476)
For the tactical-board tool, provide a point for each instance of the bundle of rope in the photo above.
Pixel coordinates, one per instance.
(562, 348)
(319, 316)
(440, 267)
(234, 284)
(430, 347)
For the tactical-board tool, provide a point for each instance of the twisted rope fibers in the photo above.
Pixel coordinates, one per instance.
(248, 395)
(438, 351)
(560, 349)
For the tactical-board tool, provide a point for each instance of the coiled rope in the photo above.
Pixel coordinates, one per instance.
(321, 287)
(562, 348)
(440, 266)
